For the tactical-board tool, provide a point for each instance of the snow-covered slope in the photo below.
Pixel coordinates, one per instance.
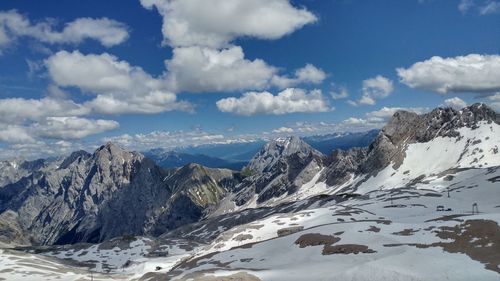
(473, 148)
(385, 235)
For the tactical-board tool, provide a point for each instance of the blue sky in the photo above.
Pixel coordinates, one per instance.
(158, 73)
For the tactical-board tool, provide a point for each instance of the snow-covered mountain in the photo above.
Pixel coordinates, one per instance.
(421, 202)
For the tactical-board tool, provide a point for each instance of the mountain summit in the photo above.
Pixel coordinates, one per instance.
(277, 149)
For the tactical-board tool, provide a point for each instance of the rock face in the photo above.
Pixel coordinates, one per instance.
(280, 167)
(12, 171)
(405, 128)
(112, 192)
(342, 164)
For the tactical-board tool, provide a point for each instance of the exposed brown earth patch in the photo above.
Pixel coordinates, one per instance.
(316, 239)
(448, 218)
(347, 249)
(243, 237)
(289, 230)
(478, 239)
(406, 232)
(373, 229)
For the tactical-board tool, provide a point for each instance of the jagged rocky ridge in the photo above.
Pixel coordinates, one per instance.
(402, 130)
(112, 192)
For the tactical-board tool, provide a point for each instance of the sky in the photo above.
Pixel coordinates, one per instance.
(169, 73)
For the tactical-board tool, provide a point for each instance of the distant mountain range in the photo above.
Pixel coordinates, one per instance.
(235, 156)
(174, 159)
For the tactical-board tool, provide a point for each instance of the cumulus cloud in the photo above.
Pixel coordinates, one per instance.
(119, 87)
(342, 93)
(199, 69)
(20, 110)
(472, 73)
(106, 31)
(204, 59)
(68, 128)
(215, 23)
(283, 130)
(307, 74)
(374, 88)
(15, 134)
(291, 100)
(455, 102)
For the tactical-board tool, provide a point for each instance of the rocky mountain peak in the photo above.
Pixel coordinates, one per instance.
(277, 149)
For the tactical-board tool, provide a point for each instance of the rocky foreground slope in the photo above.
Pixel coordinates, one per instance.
(420, 203)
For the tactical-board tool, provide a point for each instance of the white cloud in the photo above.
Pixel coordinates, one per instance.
(72, 127)
(120, 88)
(341, 94)
(483, 7)
(355, 121)
(19, 110)
(455, 102)
(42, 149)
(15, 134)
(307, 74)
(472, 73)
(198, 69)
(465, 5)
(204, 59)
(494, 101)
(374, 88)
(491, 7)
(215, 23)
(170, 140)
(106, 31)
(291, 100)
(283, 130)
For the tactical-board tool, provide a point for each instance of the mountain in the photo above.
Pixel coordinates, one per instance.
(424, 192)
(232, 152)
(11, 171)
(327, 143)
(413, 148)
(280, 168)
(112, 192)
(174, 159)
